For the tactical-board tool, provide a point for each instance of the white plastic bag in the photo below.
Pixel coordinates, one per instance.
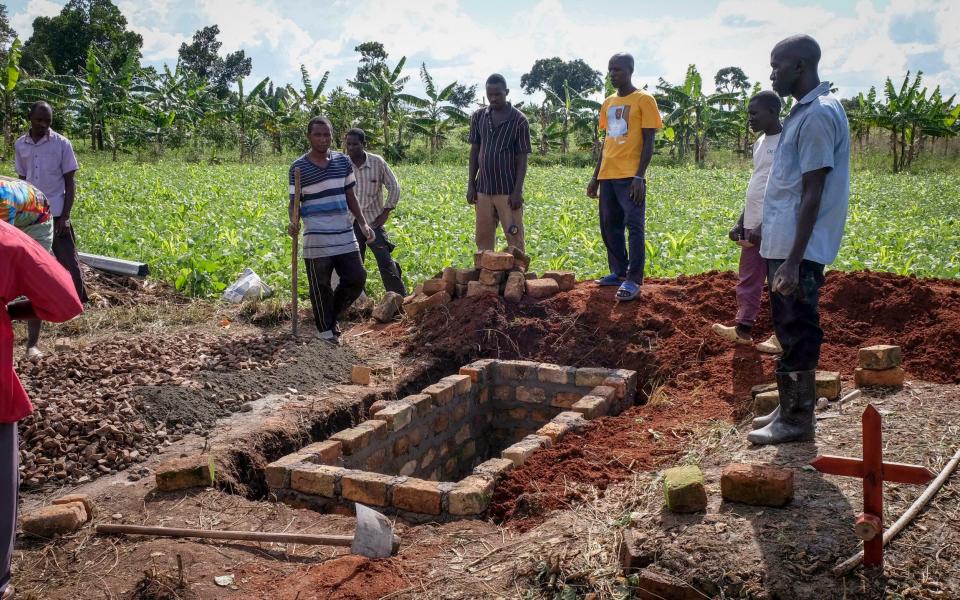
(249, 286)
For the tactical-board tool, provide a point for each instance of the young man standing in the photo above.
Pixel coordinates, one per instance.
(499, 145)
(373, 174)
(46, 160)
(764, 111)
(329, 244)
(804, 212)
(26, 269)
(630, 119)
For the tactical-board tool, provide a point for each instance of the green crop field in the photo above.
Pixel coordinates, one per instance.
(198, 226)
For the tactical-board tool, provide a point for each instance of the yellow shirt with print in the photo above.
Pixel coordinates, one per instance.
(622, 118)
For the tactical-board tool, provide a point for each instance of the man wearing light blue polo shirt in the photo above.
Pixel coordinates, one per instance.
(804, 212)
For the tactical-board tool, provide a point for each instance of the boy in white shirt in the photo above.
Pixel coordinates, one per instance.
(764, 109)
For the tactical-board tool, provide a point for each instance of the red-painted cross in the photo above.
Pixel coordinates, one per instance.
(873, 471)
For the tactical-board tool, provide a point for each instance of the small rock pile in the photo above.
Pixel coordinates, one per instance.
(502, 273)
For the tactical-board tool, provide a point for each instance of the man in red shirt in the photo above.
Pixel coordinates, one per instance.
(25, 270)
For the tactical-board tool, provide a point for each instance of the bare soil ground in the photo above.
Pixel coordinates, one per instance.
(558, 520)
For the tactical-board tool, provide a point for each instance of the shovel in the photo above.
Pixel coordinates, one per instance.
(295, 218)
(374, 537)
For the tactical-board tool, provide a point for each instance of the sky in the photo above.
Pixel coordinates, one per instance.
(862, 42)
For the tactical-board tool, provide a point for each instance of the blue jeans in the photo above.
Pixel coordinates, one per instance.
(617, 209)
(796, 319)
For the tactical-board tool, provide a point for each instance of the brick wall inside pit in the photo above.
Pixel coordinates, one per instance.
(455, 424)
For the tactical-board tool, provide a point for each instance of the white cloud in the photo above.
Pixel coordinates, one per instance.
(22, 20)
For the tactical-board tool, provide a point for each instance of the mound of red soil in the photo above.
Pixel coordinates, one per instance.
(345, 578)
(666, 338)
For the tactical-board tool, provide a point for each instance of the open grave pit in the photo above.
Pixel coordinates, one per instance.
(437, 455)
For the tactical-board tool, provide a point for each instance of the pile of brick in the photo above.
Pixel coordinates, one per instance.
(65, 515)
(879, 366)
(496, 273)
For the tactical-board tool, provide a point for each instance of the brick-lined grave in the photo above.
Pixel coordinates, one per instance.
(437, 455)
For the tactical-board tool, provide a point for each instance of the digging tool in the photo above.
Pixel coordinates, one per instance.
(295, 218)
(374, 537)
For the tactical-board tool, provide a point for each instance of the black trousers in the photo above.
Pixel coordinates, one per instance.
(617, 209)
(796, 319)
(328, 303)
(390, 271)
(65, 250)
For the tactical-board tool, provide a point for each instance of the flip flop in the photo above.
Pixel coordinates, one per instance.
(609, 280)
(628, 290)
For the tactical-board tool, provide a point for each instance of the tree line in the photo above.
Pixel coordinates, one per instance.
(87, 64)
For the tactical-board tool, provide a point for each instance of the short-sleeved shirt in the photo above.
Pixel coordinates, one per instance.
(499, 146)
(26, 270)
(623, 118)
(763, 151)
(327, 222)
(372, 176)
(815, 136)
(44, 163)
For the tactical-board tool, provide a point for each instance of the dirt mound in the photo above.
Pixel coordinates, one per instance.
(345, 578)
(692, 376)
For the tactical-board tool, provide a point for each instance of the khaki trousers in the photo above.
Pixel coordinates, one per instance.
(492, 210)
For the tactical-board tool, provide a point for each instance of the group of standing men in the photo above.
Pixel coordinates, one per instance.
(791, 226)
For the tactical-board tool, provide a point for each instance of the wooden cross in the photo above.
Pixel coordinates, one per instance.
(873, 471)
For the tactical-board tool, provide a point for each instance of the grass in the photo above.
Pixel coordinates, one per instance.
(199, 225)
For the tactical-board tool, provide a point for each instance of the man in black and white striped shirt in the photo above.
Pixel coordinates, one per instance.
(373, 174)
(500, 143)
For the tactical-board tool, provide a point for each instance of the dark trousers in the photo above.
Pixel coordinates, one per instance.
(382, 247)
(617, 209)
(328, 303)
(9, 485)
(796, 319)
(65, 250)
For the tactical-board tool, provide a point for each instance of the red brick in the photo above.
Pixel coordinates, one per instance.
(565, 279)
(85, 500)
(497, 261)
(488, 277)
(470, 496)
(417, 495)
(58, 519)
(878, 358)
(542, 288)
(886, 378)
(534, 395)
(326, 452)
(318, 480)
(366, 488)
(442, 392)
(652, 585)
(360, 375)
(758, 485)
(183, 473)
(475, 288)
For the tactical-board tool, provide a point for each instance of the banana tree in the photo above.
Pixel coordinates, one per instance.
(384, 89)
(101, 92)
(245, 110)
(10, 92)
(170, 99)
(278, 115)
(311, 98)
(435, 116)
(693, 116)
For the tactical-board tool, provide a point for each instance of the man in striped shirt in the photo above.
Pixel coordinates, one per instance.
(373, 174)
(329, 244)
(500, 143)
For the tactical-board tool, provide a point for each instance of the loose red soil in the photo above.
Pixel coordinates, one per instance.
(666, 338)
(348, 577)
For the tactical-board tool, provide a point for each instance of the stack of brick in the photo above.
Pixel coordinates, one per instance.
(502, 273)
(879, 366)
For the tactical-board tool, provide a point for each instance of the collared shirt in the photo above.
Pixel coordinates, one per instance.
(499, 146)
(27, 270)
(327, 222)
(372, 176)
(815, 136)
(763, 152)
(44, 163)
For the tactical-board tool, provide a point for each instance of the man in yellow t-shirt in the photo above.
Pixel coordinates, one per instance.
(630, 119)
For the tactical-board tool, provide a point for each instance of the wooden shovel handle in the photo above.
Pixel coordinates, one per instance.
(250, 536)
(294, 218)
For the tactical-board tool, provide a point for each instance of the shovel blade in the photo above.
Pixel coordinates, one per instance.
(374, 536)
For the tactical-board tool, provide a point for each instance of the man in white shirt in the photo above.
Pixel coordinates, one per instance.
(764, 109)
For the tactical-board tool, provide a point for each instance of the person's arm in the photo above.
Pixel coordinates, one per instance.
(51, 295)
(69, 194)
(474, 164)
(354, 207)
(293, 211)
(638, 187)
(18, 163)
(393, 195)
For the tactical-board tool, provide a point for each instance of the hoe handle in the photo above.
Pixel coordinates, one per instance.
(250, 536)
(294, 217)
